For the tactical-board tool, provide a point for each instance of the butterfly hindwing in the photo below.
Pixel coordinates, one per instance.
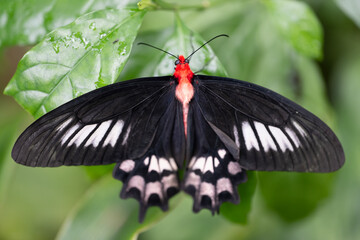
(212, 174)
(265, 131)
(153, 178)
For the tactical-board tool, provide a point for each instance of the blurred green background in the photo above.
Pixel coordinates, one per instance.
(308, 51)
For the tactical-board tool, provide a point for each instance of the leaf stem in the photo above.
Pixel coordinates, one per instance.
(162, 5)
(174, 6)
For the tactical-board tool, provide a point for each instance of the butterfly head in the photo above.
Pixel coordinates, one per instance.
(182, 69)
(182, 60)
(181, 63)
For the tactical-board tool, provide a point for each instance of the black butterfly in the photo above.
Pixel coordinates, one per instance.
(151, 127)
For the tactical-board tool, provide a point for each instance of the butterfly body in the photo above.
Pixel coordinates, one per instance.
(214, 127)
(184, 90)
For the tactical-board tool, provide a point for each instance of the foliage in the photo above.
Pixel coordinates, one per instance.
(83, 45)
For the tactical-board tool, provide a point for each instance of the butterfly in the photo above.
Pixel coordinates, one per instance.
(215, 128)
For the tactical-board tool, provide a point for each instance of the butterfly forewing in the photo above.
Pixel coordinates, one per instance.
(269, 131)
(107, 125)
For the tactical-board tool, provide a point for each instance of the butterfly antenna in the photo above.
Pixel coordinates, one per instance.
(146, 44)
(221, 35)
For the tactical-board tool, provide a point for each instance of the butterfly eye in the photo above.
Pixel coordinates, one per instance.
(177, 62)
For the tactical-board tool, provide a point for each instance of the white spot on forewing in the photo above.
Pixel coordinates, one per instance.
(170, 181)
(199, 164)
(137, 182)
(293, 136)
(98, 135)
(127, 165)
(236, 135)
(146, 161)
(154, 165)
(164, 165)
(209, 165)
(173, 164)
(249, 136)
(153, 188)
(216, 162)
(207, 189)
(69, 133)
(299, 128)
(222, 153)
(234, 168)
(222, 185)
(126, 135)
(281, 139)
(265, 137)
(114, 134)
(192, 179)
(82, 135)
(63, 125)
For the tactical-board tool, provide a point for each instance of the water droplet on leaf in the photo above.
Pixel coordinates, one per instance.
(122, 49)
(92, 26)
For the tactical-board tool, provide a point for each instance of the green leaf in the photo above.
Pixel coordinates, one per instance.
(72, 60)
(299, 26)
(238, 213)
(351, 9)
(101, 206)
(294, 196)
(21, 21)
(183, 42)
(65, 11)
(24, 22)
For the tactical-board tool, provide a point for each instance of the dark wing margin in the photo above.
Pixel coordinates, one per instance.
(107, 125)
(264, 130)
